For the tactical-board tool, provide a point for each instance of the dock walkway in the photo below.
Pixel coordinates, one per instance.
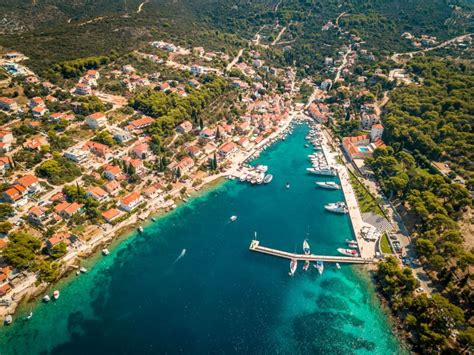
(255, 246)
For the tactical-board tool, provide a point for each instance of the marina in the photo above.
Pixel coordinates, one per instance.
(183, 291)
(256, 247)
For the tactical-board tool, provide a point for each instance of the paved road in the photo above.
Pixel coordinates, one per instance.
(395, 56)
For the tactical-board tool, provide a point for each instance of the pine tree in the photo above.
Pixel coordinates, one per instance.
(218, 133)
(201, 123)
(214, 162)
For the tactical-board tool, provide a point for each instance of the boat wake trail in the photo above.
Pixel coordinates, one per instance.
(183, 253)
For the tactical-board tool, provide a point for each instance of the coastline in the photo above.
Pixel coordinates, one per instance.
(30, 290)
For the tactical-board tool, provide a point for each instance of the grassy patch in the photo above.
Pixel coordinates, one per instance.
(385, 244)
(366, 202)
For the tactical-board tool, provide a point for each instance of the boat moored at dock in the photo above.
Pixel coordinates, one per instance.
(348, 252)
(322, 171)
(337, 207)
(328, 185)
(319, 266)
(293, 266)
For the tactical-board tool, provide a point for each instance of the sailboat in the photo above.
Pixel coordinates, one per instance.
(306, 265)
(306, 248)
(293, 266)
(320, 266)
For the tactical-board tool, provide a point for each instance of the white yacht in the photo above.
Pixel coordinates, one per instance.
(337, 207)
(322, 171)
(328, 185)
(233, 218)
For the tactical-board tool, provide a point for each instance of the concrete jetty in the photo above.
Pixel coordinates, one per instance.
(256, 247)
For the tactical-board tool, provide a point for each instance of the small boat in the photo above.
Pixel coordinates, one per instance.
(153, 219)
(268, 178)
(29, 315)
(338, 266)
(243, 178)
(185, 199)
(306, 248)
(233, 218)
(46, 298)
(8, 320)
(293, 266)
(320, 266)
(83, 269)
(287, 185)
(306, 145)
(56, 294)
(348, 252)
(306, 265)
(140, 229)
(105, 252)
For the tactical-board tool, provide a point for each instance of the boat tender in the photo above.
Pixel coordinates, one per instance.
(328, 185)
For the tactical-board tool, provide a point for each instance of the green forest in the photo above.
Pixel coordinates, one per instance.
(435, 118)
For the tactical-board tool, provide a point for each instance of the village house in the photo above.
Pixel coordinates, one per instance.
(37, 215)
(36, 101)
(244, 142)
(30, 183)
(4, 289)
(185, 165)
(15, 195)
(141, 150)
(137, 164)
(227, 149)
(35, 143)
(113, 172)
(141, 123)
(194, 151)
(112, 187)
(131, 201)
(39, 111)
(209, 148)
(207, 133)
(77, 155)
(61, 237)
(93, 74)
(111, 215)
(184, 127)
(97, 193)
(82, 89)
(8, 104)
(5, 164)
(121, 136)
(67, 210)
(96, 120)
(99, 149)
(153, 191)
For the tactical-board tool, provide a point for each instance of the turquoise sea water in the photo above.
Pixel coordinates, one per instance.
(219, 297)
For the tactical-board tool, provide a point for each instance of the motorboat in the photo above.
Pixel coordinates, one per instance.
(56, 294)
(153, 219)
(348, 252)
(287, 185)
(46, 298)
(105, 252)
(322, 171)
(293, 266)
(29, 315)
(306, 265)
(140, 229)
(319, 266)
(328, 185)
(268, 178)
(83, 269)
(337, 207)
(233, 218)
(306, 248)
(243, 178)
(260, 179)
(8, 320)
(338, 266)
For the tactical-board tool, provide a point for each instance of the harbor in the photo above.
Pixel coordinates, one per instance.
(146, 285)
